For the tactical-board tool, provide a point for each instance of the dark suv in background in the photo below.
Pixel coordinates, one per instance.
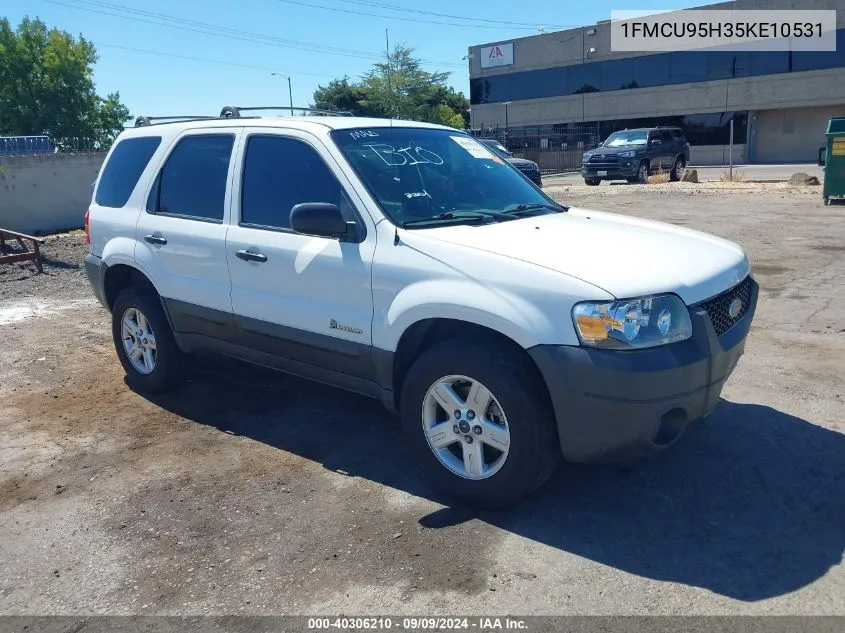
(527, 167)
(633, 155)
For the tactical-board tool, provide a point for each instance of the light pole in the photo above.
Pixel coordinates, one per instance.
(290, 90)
(507, 126)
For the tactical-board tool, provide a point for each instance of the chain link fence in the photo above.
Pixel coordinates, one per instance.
(555, 148)
(41, 145)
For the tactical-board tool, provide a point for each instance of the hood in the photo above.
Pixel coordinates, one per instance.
(612, 151)
(517, 162)
(626, 256)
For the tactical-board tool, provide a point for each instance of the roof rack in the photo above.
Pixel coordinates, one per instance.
(142, 121)
(234, 112)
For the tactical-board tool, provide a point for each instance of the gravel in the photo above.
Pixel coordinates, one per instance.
(251, 492)
(63, 277)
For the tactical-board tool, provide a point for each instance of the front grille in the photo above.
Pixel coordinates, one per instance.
(718, 308)
(602, 161)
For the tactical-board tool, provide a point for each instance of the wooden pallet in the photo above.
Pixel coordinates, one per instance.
(33, 255)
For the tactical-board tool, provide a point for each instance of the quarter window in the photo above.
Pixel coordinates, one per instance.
(124, 167)
(192, 183)
(280, 173)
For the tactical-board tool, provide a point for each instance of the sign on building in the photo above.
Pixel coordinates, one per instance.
(498, 55)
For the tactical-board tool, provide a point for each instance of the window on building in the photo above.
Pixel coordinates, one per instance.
(662, 69)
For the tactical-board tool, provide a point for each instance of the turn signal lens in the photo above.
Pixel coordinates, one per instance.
(595, 327)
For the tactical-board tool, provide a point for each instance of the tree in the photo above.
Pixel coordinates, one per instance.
(401, 88)
(47, 87)
(342, 95)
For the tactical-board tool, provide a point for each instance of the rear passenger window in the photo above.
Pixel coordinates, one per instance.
(280, 173)
(192, 182)
(124, 167)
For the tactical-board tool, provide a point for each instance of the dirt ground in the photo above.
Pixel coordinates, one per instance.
(250, 492)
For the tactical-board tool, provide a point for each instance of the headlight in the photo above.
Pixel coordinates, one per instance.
(587, 156)
(632, 323)
(630, 154)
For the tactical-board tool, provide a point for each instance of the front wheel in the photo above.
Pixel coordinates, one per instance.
(144, 341)
(479, 423)
(642, 173)
(678, 169)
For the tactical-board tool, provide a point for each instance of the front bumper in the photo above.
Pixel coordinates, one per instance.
(624, 169)
(95, 268)
(622, 405)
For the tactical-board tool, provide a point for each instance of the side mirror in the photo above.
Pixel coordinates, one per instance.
(655, 141)
(318, 218)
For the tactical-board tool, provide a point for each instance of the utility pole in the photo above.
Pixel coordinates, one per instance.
(290, 90)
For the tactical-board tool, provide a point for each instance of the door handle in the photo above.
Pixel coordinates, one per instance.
(155, 239)
(251, 257)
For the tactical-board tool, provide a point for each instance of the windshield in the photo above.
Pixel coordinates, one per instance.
(497, 147)
(618, 139)
(419, 173)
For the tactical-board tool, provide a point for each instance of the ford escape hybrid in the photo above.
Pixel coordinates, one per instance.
(407, 262)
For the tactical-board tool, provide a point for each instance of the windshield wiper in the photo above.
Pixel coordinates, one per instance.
(459, 216)
(519, 208)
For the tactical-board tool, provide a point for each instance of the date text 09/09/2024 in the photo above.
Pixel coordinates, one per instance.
(417, 623)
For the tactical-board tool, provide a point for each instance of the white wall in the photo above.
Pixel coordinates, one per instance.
(792, 135)
(717, 154)
(43, 194)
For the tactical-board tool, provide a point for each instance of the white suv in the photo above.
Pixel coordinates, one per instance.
(407, 262)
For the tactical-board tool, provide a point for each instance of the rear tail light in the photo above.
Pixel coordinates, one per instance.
(87, 230)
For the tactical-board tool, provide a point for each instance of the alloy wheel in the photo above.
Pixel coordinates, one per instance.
(139, 341)
(465, 427)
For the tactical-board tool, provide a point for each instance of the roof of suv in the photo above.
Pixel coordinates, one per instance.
(301, 122)
(652, 129)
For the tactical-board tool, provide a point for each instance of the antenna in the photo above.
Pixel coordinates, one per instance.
(389, 94)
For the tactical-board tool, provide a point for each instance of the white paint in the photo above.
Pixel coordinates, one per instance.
(519, 278)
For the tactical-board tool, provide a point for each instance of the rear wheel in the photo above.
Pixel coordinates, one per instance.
(479, 423)
(592, 182)
(144, 341)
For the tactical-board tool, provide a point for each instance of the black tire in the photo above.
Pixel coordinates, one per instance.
(678, 169)
(592, 182)
(169, 368)
(534, 448)
(642, 173)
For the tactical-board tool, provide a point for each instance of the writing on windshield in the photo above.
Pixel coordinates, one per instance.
(402, 156)
(421, 173)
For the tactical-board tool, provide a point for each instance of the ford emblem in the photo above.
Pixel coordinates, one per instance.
(735, 308)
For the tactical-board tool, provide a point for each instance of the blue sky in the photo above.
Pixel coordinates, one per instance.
(195, 69)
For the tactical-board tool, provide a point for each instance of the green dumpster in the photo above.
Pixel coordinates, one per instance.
(834, 163)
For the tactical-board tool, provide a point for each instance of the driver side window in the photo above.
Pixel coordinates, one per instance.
(278, 174)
